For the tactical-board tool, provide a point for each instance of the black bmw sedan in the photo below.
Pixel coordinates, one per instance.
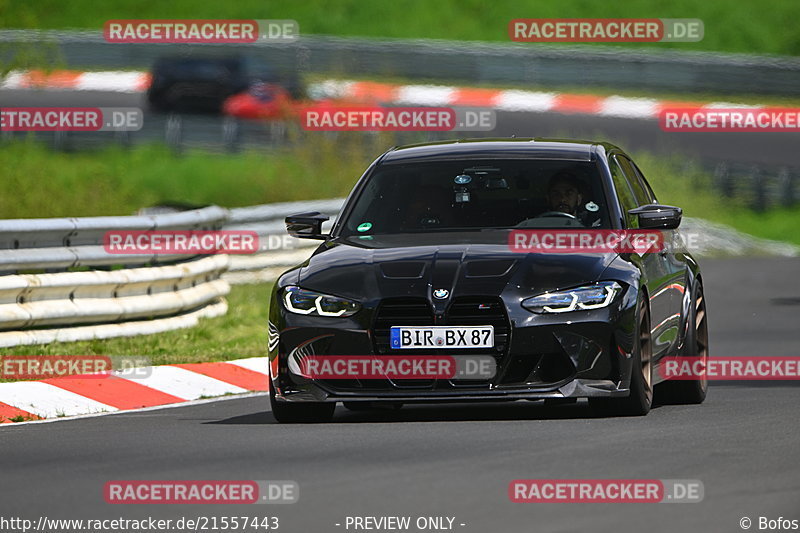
(491, 258)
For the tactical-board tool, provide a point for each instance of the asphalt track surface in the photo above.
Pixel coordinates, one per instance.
(760, 148)
(456, 460)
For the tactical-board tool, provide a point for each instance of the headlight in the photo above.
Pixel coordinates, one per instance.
(303, 302)
(582, 298)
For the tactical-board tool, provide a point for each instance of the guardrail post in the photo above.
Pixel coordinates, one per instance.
(230, 134)
(60, 141)
(722, 180)
(173, 133)
(698, 179)
(689, 173)
(786, 184)
(759, 190)
(374, 141)
(123, 138)
(277, 131)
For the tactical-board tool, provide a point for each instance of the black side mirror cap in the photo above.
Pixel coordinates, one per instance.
(657, 216)
(306, 225)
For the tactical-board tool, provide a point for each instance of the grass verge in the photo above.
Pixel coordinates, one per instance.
(38, 182)
(746, 26)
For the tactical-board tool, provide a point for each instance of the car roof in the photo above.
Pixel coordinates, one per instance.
(502, 148)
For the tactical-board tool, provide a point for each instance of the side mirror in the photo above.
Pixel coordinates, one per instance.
(656, 216)
(306, 225)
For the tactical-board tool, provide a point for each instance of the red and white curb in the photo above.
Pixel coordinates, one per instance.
(387, 93)
(109, 81)
(502, 100)
(130, 389)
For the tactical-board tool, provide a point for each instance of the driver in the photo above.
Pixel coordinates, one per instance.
(565, 195)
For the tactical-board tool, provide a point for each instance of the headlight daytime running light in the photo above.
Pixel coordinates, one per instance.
(305, 302)
(595, 296)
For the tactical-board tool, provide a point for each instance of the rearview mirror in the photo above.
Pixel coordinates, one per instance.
(306, 225)
(656, 216)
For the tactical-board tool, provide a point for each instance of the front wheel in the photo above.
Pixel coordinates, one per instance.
(638, 402)
(696, 345)
(300, 413)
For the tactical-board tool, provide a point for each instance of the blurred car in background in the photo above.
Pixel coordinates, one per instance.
(203, 83)
(267, 101)
(270, 101)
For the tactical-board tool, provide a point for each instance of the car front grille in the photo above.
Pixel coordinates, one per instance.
(542, 367)
(462, 311)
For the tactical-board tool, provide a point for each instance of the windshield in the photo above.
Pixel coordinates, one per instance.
(479, 195)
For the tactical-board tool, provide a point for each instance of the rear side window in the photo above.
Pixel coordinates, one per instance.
(624, 193)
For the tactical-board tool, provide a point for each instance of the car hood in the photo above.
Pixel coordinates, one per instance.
(408, 266)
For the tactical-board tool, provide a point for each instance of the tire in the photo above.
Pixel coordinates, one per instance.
(300, 413)
(688, 392)
(640, 399)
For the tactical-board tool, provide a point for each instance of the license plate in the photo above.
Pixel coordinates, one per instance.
(441, 337)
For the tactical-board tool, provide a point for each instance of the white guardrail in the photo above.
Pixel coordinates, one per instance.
(58, 283)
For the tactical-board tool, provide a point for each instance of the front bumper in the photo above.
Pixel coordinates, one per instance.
(583, 354)
(576, 388)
